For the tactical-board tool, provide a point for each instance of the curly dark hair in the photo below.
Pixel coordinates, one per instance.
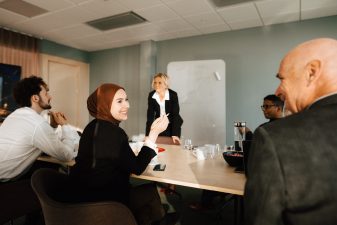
(26, 88)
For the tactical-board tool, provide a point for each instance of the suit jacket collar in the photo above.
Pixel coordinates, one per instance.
(156, 96)
(325, 100)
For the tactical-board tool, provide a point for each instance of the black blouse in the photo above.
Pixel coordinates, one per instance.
(105, 162)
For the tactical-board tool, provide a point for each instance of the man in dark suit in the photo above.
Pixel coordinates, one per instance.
(293, 162)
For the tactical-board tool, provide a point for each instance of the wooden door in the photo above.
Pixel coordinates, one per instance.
(68, 81)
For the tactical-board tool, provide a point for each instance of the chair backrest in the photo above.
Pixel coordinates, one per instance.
(17, 199)
(47, 184)
(165, 140)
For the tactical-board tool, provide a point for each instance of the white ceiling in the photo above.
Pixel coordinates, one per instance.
(64, 22)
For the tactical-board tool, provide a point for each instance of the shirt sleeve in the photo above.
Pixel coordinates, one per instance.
(64, 148)
(136, 164)
(265, 189)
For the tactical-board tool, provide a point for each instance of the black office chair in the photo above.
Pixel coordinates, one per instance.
(47, 185)
(17, 199)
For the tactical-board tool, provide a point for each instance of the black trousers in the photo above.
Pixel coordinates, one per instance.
(145, 204)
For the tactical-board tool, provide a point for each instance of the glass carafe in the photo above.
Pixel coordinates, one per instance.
(239, 134)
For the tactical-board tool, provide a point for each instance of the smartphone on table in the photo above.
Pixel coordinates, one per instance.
(159, 167)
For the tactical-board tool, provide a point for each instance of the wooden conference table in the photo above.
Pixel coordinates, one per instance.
(182, 168)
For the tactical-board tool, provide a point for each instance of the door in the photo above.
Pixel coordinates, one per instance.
(63, 85)
(68, 81)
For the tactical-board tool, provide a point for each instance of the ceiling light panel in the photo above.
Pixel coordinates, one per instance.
(117, 21)
(224, 3)
(22, 8)
(51, 5)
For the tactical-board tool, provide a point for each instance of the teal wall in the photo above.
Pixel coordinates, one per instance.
(52, 48)
(252, 58)
(119, 66)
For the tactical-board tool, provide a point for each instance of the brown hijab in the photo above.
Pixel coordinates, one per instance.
(99, 102)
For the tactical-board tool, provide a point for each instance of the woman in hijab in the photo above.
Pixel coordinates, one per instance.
(105, 159)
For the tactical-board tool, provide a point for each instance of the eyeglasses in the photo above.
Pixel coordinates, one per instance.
(264, 107)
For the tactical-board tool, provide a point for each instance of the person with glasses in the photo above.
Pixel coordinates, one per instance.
(272, 109)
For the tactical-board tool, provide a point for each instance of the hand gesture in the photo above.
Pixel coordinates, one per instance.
(57, 118)
(160, 124)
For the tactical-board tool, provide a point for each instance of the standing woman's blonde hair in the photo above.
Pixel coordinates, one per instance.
(163, 76)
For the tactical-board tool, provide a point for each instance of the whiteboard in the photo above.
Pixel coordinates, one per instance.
(202, 99)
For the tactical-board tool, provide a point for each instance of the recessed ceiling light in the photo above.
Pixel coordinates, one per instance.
(21, 7)
(117, 21)
(223, 3)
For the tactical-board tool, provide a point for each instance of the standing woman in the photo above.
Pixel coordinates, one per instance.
(162, 101)
(105, 159)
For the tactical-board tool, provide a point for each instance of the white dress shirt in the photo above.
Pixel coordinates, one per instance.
(161, 103)
(24, 135)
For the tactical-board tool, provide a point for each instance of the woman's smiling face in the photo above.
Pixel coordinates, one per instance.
(120, 106)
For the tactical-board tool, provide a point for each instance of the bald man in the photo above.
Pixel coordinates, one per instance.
(295, 179)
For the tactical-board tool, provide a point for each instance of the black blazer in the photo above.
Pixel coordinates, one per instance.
(292, 169)
(172, 107)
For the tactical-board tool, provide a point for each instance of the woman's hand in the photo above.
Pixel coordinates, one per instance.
(158, 126)
(176, 139)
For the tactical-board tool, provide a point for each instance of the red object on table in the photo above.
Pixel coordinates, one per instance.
(160, 149)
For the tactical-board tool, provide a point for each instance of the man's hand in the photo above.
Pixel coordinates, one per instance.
(57, 118)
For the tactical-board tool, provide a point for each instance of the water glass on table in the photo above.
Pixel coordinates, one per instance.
(211, 152)
(188, 144)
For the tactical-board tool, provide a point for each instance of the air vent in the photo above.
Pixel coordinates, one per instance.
(223, 3)
(116, 21)
(22, 8)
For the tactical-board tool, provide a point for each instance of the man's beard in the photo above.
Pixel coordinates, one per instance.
(44, 105)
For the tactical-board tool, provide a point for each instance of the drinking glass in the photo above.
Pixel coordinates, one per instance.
(188, 144)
